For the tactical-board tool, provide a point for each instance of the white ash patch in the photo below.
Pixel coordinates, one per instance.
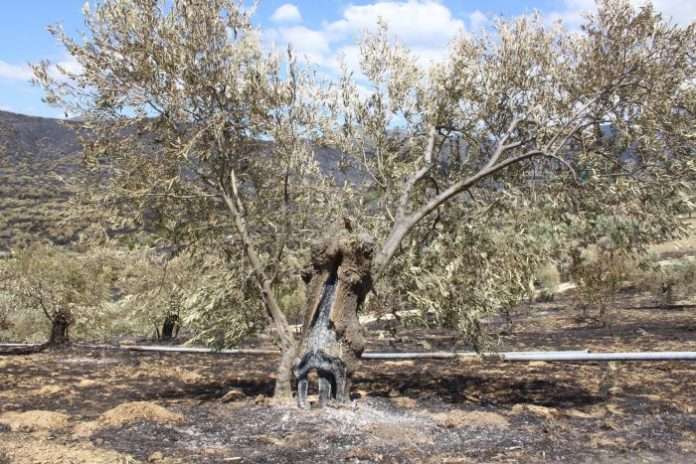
(353, 418)
(85, 360)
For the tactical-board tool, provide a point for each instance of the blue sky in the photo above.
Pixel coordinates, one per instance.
(318, 29)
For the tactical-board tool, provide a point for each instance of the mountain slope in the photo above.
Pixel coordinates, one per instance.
(36, 153)
(33, 152)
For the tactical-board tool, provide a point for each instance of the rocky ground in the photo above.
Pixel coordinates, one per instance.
(114, 406)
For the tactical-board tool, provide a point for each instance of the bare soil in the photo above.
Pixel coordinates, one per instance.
(110, 406)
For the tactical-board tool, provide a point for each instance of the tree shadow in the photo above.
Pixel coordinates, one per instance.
(212, 391)
(485, 389)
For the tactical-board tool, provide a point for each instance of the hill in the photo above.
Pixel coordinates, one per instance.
(34, 152)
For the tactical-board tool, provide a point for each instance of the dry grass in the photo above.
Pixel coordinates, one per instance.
(138, 411)
(457, 418)
(36, 449)
(32, 421)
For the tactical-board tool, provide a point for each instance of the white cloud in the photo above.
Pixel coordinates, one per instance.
(477, 20)
(350, 55)
(425, 26)
(425, 23)
(15, 72)
(306, 42)
(287, 13)
(70, 64)
(572, 16)
(5, 108)
(680, 11)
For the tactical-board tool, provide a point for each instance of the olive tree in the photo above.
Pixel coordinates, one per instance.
(64, 286)
(4, 321)
(553, 137)
(190, 290)
(223, 138)
(206, 132)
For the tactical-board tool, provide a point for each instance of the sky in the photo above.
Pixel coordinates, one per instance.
(318, 29)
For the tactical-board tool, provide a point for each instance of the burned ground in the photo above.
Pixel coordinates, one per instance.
(116, 406)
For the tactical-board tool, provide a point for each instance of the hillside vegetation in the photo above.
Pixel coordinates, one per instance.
(35, 153)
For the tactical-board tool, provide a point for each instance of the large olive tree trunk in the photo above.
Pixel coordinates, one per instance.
(332, 338)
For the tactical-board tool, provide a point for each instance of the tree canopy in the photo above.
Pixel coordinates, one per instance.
(468, 173)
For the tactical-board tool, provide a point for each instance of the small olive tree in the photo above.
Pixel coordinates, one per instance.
(63, 285)
(153, 287)
(4, 321)
(190, 290)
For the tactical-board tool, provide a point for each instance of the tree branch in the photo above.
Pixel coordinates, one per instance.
(263, 282)
(418, 175)
(502, 145)
(403, 227)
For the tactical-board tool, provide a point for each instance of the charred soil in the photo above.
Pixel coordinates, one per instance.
(91, 406)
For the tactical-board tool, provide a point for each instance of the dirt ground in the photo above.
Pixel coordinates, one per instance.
(109, 406)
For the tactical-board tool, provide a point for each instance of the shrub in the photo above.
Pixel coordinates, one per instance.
(599, 275)
(548, 279)
(669, 283)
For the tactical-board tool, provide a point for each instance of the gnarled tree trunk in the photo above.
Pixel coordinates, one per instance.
(332, 338)
(170, 328)
(60, 327)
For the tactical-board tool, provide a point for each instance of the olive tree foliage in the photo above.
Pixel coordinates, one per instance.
(66, 287)
(565, 139)
(204, 130)
(470, 272)
(201, 293)
(522, 112)
(465, 172)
